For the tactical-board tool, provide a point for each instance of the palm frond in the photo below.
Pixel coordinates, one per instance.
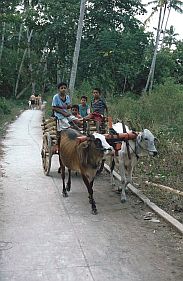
(150, 16)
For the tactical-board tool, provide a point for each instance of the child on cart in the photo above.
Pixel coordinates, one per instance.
(84, 108)
(75, 111)
(61, 104)
(98, 106)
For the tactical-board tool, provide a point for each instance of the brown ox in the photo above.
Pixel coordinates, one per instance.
(83, 156)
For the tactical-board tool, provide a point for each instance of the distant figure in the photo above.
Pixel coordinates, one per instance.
(29, 104)
(38, 101)
(84, 108)
(32, 101)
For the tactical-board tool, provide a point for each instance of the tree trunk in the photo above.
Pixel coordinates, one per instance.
(153, 64)
(58, 66)
(164, 32)
(2, 40)
(163, 18)
(124, 86)
(21, 65)
(19, 73)
(156, 50)
(23, 91)
(45, 69)
(29, 57)
(18, 48)
(43, 60)
(77, 48)
(58, 73)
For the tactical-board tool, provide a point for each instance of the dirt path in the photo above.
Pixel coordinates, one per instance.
(44, 236)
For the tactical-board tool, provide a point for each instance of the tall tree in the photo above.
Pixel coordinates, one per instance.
(175, 5)
(77, 48)
(170, 37)
(150, 79)
(2, 40)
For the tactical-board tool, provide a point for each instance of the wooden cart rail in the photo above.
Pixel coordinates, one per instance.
(89, 126)
(114, 138)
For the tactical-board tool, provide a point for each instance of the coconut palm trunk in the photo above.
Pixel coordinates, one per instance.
(18, 48)
(164, 32)
(150, 79)
(175, 5)
(77, 48)
(2, 40)
(30, 61)
(21, 64)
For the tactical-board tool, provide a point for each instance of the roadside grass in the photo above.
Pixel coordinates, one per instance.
(168, 201)
(9, 110)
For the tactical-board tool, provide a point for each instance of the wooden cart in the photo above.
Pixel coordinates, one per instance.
(50, 146)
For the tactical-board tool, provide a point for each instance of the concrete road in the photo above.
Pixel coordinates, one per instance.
(45, 237)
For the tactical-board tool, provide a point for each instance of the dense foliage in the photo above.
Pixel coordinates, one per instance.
(38, 39)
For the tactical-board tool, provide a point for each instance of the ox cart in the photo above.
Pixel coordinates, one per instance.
(50, 146)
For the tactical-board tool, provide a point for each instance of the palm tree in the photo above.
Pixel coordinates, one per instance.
(77, 48)
(160, 5)
(176, 5)
(170, 39)
(2, 40)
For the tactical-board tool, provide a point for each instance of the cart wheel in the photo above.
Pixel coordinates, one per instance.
(46, 153)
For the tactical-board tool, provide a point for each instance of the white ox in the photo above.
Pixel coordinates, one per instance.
(143, 145)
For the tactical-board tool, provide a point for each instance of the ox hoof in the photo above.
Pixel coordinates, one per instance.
(59, 170)
(118, 191)
(94, 212)
(68, 188)
(65, 194)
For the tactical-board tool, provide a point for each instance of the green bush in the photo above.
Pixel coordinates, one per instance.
(4, 106)
(160, 111)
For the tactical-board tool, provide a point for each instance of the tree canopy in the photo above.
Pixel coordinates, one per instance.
(38, 38)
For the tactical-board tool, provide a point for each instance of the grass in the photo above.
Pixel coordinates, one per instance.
(9, 109)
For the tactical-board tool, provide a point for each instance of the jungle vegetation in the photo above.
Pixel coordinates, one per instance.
(116, 53)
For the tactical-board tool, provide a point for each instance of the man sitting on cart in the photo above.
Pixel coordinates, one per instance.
(60, 104)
